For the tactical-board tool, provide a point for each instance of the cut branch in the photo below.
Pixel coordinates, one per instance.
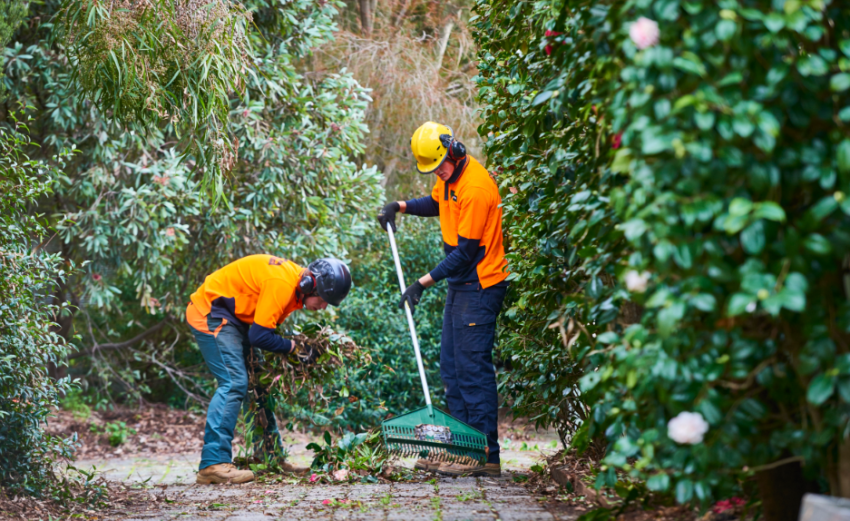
(120, 345)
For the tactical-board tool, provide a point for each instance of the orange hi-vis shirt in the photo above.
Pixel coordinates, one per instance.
(471, 223)
(257, 289)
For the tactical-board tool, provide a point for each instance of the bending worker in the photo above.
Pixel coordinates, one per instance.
(234, 313)
(467, 201)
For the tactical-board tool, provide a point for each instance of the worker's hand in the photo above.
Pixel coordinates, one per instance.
(305, 353)
(387, 215)
(411, 295)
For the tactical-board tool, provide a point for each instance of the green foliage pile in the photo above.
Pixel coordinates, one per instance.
(28, 277)
(678, 229)
(359, 456)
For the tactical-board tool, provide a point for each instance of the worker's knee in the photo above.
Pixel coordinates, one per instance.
(239, 387)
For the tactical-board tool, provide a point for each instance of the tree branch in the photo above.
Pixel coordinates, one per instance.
(120, 345)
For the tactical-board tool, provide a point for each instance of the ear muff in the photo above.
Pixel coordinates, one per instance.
(456, 149)
(307, 284)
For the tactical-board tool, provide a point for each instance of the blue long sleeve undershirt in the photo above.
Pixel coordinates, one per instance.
(458, 260)
(423, 207)
(267, 340)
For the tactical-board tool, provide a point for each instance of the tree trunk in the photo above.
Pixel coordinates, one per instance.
(403, 11)
(444, 42)
(781, 490)
(365, 17)
(841, 487)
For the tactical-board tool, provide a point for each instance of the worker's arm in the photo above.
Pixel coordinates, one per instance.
(275, 296)
(267, 340)
(423, 207)
(474, 210)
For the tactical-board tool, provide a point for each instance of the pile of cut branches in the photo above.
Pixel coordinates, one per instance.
(285, 377)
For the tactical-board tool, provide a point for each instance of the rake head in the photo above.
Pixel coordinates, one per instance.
(430, 433)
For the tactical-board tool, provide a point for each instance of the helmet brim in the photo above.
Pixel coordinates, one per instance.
(423, 169)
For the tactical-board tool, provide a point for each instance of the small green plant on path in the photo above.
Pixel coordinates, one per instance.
(117, 432)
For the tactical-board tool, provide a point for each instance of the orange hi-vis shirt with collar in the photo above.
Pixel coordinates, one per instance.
(257, 289)
(471, 224)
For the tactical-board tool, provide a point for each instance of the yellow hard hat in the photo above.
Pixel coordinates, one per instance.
(428, 149)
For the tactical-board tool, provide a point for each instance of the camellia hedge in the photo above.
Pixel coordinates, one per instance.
(677, 177)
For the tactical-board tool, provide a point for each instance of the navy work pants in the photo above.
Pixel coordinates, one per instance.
(466, 360)
(226, 348)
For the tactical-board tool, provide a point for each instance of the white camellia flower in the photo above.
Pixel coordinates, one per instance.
(637, 281)
(341, 474)
(687, 428)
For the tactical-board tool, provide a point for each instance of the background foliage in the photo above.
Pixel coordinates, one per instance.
(710, 170)
(27, 342)
(131, 204)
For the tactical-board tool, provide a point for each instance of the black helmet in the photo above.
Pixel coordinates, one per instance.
(333, 280)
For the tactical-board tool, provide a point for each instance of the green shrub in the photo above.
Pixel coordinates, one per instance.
(680, 223)
(28, 344)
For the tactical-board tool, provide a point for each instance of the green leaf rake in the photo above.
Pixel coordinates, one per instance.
(429, 432)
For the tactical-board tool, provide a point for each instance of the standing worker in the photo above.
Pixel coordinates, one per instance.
(234, 313)
(468, 202)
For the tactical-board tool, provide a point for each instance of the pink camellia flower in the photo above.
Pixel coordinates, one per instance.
(513, 189)
(727, 504)
(245, 113)
(550, 34)
(341, 474)
(644, 33)
(169, 231)
(314, 478)
(617, 142)
(96, 277)
(687, 428)
(326, 501)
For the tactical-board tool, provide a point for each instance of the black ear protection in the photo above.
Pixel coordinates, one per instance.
(457, 150)
(307, 284)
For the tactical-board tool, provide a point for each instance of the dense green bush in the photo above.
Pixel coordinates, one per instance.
(28, 277)
(680, 222)
(371, 317)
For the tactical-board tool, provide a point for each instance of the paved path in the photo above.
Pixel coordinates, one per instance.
(168, 485)
(444, 499)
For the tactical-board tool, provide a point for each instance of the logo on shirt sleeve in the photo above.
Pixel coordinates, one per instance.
(276, 261)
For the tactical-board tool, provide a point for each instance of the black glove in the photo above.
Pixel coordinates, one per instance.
(412, 295)
(387, 215)
(305, 353)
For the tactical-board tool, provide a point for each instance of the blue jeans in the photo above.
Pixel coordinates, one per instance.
(225, 348)
(466, 360)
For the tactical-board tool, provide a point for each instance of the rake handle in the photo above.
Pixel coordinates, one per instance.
(410, 323)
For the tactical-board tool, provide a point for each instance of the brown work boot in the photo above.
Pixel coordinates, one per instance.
(223, 473)
(427, 465)
(295, 469)
(457, 469)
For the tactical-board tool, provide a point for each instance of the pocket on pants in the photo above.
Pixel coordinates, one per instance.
(479, 331)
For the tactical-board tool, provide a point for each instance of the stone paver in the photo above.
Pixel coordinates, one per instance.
(459, 499)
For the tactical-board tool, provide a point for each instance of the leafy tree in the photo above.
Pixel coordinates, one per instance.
(12, 13)
(679, 221)
(130, 204)
(28, 275)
